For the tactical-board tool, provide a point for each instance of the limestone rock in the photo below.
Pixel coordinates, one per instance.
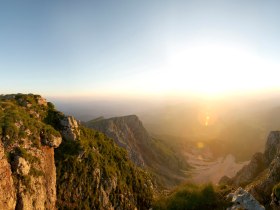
(28, 181)
(70, 128)
(243, 200)
(7, 188)
(38, 191)
(42, 101)
(22, 167)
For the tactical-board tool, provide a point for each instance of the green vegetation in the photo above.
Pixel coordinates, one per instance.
(21, 130)
(92, 172)
(95, 162)
(276, 190)
(21, 116)
(168, 156)
(193, 197)
(19, 151)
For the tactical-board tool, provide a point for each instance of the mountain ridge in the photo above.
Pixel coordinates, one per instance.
(143, 149)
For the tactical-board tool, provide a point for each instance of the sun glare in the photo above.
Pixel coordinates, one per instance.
(217, 69)
(200, 145)
(203, 70)
(207, 120)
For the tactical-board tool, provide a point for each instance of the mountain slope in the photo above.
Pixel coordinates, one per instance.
(262, 173)
(144, 150)
(86, 171)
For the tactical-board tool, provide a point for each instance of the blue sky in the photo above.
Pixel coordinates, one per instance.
(87, 48)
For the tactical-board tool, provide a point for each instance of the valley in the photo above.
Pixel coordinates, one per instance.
(116, 163)
(205, 170)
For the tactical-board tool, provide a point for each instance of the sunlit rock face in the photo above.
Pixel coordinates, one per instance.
(70, 128)
(7, 188)
(27, 168)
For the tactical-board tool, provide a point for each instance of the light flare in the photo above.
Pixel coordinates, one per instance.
(200, 145)
(207, 120)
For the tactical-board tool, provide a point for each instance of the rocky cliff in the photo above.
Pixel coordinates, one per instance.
(262, 173)
(28, 175)
(145, 151)
(87, 170)
(128, 132)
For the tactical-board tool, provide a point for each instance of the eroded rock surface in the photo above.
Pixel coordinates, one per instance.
(27, 167)
(70, 128)
(243, 200)
(7, 188)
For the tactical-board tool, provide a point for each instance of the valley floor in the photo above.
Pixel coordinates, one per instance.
(206, 170)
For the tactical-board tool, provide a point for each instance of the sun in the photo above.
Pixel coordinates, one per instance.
(204, 69)
(216, 69)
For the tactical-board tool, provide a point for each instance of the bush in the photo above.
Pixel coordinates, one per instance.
(276, 190)
(192, 197)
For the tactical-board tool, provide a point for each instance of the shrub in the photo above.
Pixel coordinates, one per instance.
(192, 197)
(276, 190)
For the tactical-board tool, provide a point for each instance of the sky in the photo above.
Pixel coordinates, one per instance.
(116, 48)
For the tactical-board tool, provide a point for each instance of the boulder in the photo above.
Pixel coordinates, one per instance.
(22, 167)
(70, 128)
(243, 200)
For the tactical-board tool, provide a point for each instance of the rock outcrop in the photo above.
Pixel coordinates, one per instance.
(241, 199)
(22, 167)
(70, 128)
(27, 156)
